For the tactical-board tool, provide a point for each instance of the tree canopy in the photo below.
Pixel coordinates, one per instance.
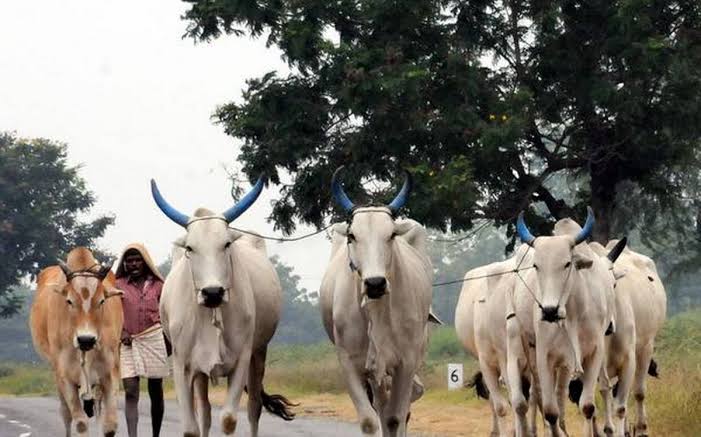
(485, 101)
(41, 200)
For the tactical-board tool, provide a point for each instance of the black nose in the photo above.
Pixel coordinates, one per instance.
(376, 287)
(550, 314)
(86, 342)
(213, 296)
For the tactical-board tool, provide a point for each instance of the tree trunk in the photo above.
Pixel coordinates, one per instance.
(603, 202)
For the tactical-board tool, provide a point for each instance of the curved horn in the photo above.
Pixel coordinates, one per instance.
(617, 249)
(172, 213)
(523, 231)
(64, 267)
(588, 227)
(245, 202)
(338, 193)
(403, 195)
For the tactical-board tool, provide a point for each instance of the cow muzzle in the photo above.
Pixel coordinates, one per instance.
(551, 314)
(86, 342)
(212, 296)
(375, 287)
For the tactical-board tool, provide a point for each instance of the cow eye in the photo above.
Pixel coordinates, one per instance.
(227, 245)
(188, 249)
(102, 302)
(351, 237)
(394, 234)
(569, 263)
(69, 302)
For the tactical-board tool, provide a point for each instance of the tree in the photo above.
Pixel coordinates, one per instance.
(41, 198)
(301, 319)
(607, 91)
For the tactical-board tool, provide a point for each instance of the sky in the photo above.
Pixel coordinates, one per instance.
(133, 100)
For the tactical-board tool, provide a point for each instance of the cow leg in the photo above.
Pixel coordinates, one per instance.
(65, 414)
(369, 421)
(546, 375)
(592, 369)
(625, 382)
(203, 407)
(563, 381)
(605, 392)
(69, 391)
(236, 382)
(183, 389)
(400, 400)
(515, 361)
(109, 407)
(500, 406)
(642, 364)
(255, 389)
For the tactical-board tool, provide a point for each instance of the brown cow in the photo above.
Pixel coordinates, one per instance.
(76, 327)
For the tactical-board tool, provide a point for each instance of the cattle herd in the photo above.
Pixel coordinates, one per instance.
(560, 317)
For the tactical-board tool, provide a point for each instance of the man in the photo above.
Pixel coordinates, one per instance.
(143, 349)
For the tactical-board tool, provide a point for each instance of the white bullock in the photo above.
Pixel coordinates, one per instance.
(220, 307)
(481, 326)
(563, 306)
(375, 299)
(641, 287)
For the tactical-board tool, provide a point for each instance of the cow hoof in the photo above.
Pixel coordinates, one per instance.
(228, 423)
(81, 426)
(367, 426)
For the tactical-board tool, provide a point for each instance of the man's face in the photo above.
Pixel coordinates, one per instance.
(134, 265)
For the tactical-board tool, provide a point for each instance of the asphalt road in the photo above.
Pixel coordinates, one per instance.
(40, 417)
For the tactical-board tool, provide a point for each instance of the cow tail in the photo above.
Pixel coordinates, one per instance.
(652, 369)
(477, 382)
(278, 405)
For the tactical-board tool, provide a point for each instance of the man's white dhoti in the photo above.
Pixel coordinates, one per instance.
(146, 356)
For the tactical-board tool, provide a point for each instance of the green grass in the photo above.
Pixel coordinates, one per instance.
(22, 379)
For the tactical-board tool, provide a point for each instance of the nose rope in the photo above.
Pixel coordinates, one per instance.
(518, 273)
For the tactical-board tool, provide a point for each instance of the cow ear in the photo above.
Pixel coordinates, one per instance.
(112, 292)
(341, 229)
(582, 261)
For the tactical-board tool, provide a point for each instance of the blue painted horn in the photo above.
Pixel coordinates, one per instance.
(523, 231)
(403, 195)
(245, 202)
(588, 227)
(617, 249)
(338, 193)
(170, 212)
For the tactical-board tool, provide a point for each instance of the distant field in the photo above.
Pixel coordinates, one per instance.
(311, 376)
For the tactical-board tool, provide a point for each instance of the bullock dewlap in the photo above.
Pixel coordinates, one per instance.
(563, 303)
(375, 299)
(219, 307)
(75, 325)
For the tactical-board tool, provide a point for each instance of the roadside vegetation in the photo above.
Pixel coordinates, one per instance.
(310, 374)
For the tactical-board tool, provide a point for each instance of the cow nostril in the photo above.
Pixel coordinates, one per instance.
(213, 291)
(377, 282)
(86, 342)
